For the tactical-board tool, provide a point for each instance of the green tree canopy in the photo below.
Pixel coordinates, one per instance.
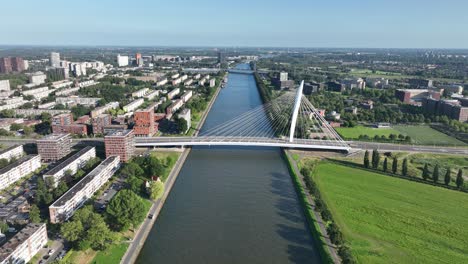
(126, 209)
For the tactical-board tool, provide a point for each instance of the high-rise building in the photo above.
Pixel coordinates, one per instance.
(101, 121)
(54, 146)
(5, 65)
(122, 60)
(37, 78)
(138, 59)
(55, 59)
(221, 57)
(144, 123)
(120, 143)
(17, 64)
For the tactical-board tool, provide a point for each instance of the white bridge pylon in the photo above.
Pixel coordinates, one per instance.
(289, 120)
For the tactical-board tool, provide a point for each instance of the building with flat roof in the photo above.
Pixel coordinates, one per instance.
(103, 109)
(173, 93)
(65, 206)
(144, 123)
(16, 211)
(54, 146)
(37, 78)
(13, 152)
(22, 247)
(55, 59)
(122, 61)
(140, 93)
(4, 85)
(101, 121)
(412, 95)
(72, 164)
(18, 169)
(120, 143)
(186, 114)
(133, 105)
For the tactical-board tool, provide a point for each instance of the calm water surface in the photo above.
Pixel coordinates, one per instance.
(231, 205)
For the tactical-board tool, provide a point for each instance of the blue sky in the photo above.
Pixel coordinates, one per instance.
(286, 23)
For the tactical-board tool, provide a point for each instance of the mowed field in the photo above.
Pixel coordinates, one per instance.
(426, 135)
(390, 220)
(355, 132)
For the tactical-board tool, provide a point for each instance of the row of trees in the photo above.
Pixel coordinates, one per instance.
(374, 161)
(333, 229)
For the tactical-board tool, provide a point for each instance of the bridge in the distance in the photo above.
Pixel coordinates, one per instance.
(240, 71)
(289, 121)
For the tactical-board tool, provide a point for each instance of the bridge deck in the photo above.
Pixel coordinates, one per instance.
(236, 141)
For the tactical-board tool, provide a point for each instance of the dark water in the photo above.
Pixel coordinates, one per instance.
(231, 205)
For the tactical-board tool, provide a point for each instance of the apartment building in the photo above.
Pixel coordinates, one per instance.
(64, 207)
(120, 143)
(4, 85)
(18, 169)
(54, 146)
(186, 96)
(37, 78)
(161, 82)
(101, 121)
(102, 109)
(152, 95)
(144, 123)
(133, 105)
(173, 93)
(140, 93)
(171, 109)
(72, 164)
(13, 152)
(22, 247)
(77, 100)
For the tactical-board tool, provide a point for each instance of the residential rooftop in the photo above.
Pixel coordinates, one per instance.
(53, 137)
(119, 133)
(8, 149)
(18, 239)
(16, 163)
(68, 161)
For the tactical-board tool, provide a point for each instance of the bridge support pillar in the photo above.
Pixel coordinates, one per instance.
(297, 104)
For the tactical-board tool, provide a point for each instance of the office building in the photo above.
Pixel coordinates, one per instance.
(18, 169)
(13, 152)
(415, 95)
(420, 83)
(71, 164)
(351, 84)
(54, 146)
(22, 247)
(335, 86)
(453, 109)
(144, 123)
(101, 121)
(122, 61)
(55, 59)
(281, 81)
(312, 87)
(4, 85)
(120, 143)
(64, 207)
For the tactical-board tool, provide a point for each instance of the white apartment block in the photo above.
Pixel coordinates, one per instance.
(197, 76)
(12, 152)
(17, 170)
(61, 84)
(72, 164)
(87, 83)
(184, 77)
(101, 110)
(63, 208)
(176, 81)
(140, 93)
(173, 93)
(175, 76)
(46, 105)
(37, 78)
(12, 103)
(122, 61)
(77, 100)
(188, 82)
(133, 105)
(161, 82)
(36, 90)
(68, 91)
(4, 85)
(152, 95)
(186, 96)
(212, 82)
(22, 247)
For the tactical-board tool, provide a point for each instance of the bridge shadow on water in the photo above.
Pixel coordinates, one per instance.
(301, 248)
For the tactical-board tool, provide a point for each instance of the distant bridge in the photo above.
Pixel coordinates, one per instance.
(240, 71)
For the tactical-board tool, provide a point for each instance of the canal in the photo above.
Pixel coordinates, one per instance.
(231, 204)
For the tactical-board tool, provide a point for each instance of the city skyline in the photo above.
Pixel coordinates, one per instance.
(409, 24)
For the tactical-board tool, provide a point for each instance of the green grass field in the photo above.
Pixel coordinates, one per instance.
(390, 220)
(425, 135)
(112, 255)
(355, 132)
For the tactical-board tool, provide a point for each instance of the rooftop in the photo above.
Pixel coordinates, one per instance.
(9, 148)
(68, 161)
(16, 163)
(120, 133)
(53, 137)
(18, 239)
(82, 183)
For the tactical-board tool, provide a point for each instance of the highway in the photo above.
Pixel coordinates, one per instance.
(353, 144)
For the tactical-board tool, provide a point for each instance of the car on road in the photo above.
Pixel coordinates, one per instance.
(150, 216)
(51, 252)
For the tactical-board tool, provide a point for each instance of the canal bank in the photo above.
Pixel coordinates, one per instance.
(232, 205)
(143, 231)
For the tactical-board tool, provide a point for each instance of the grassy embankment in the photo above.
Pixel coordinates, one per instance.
(387, 219)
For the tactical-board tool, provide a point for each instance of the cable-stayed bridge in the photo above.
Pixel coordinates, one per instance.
(289, 121)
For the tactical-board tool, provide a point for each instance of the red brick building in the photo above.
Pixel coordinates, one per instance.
(144, 123)
(14, 64)
(120, 143)
(5, 65)
(100, 122)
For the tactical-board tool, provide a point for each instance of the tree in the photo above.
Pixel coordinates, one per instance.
(182, 125)
(459, 180)
(3, 227)
(395, 165)
(375, 159)
(425, 173)
(404, 168)
(135, 184)
(34, 214)
(435, 173)
(447, 177)
(132, 168)
(125, 209)
(61, 189)
(157, 189)
(385, 165)
(366, 159)
(3, 163)
(72, 230)
(155, 166)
